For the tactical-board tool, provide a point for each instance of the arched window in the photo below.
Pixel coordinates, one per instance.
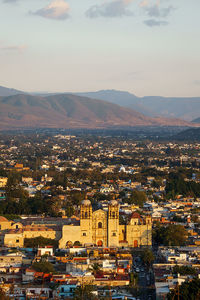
(99, 225)
(86, 214)
(113, 214)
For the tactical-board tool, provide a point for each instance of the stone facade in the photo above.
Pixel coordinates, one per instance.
(98, 227)
(102, 228)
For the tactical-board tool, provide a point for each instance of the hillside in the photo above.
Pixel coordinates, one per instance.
(171, 107)
(8, 92)
(196, 120)
(71, 111)
(185, 108)
(191, 134)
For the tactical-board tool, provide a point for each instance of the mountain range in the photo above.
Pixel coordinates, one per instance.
(71, 111)
(186, 108)
(101, 109)
(9, 92)
(190, 134)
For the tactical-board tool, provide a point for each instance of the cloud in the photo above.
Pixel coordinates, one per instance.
(57, 10)
(153, 23)
(158, 12)
(10, 1)
(115, 8)
(17, 48)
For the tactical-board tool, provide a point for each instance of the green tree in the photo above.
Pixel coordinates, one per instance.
(171, 235)
(43, 266)
(39, 241)
(137, 198)
(187, 291)
(84, 293)
(95, 268)
(69, 210)
(147, 257)
(184, 270)
(77, 243)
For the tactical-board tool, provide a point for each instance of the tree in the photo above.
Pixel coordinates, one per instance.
(147, 257)
(77, 243)
(95, 268)
(69, 210)
(54, 206)
(39, 241)
(184, 270)
(84, 293)
(171, 235)
(43, 266)
(137, 198)
(176, 185)
(188, 290)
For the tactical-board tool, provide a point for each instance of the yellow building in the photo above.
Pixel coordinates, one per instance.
(102, 228)
(3, 181)
(14, 238)
(5, 224)
(98, 227)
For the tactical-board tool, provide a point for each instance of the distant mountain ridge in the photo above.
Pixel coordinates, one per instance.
(191, 134)
(196, 120)
(175, 107)
(187, 109)
(9, 92)
(71, 111)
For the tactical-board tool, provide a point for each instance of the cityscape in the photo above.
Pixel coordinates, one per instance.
(98, 216)
(99, 150)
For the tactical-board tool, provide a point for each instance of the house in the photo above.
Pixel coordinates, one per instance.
(67, 289)
(3, 181)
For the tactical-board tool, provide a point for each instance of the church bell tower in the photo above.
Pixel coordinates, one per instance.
(86, 222)
(113, 224)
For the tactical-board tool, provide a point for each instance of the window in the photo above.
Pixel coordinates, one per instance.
(99, 225)
(86, 214)
(84, 233)
(62, 290)
(17, 226)
(113, 214)
(17, 241)
(114, 233)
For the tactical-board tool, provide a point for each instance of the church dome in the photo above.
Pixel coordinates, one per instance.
(113, 203)
(86, 202)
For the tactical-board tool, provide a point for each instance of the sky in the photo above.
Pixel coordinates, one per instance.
(146, 47)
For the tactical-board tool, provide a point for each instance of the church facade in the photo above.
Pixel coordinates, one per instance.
(102, 228)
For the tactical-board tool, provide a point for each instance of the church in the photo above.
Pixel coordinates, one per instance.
(102, 228)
